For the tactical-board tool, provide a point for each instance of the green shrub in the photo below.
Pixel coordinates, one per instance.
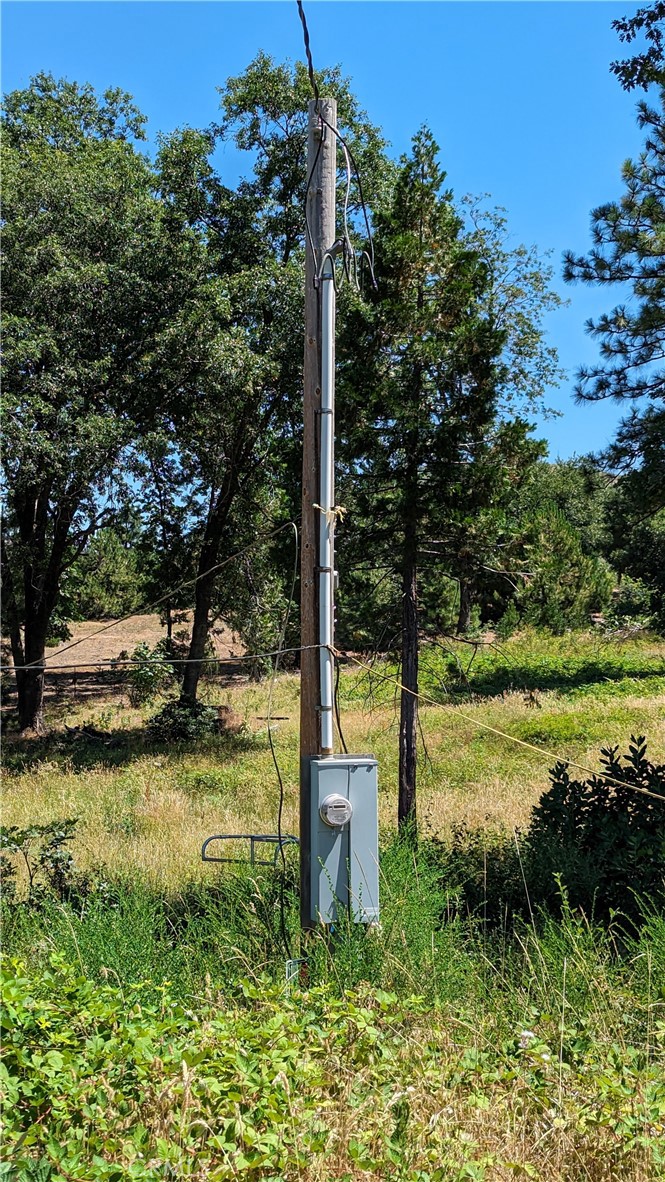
(631, 605)
(183, 720)
(151, 673)
(509, 621)
(594, 845)
(48, 863)
(600, 838)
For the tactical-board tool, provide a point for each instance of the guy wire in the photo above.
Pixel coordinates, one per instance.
(485, 726)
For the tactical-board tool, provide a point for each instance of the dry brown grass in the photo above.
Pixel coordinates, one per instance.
(149, 810)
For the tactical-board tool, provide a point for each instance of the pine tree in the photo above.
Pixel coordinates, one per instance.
(432, 371)
(422, 386)
(629, 253)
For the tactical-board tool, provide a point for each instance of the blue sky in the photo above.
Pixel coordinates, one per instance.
(518, 95)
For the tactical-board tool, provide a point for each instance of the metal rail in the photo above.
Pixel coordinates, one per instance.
(253, 839)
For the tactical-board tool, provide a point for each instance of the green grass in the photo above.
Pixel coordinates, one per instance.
(149, 1032)
(157, 1038)
(569, 666)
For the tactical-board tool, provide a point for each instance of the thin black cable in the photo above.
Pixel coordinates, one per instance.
(340, 732)
(169, 595)
(308, 52)
(342, 141)
(308, 228)
(282, 917)
(349, 157)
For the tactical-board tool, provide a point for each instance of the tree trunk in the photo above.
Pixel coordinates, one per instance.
(201, 623)
(30, 688)
(218, 516)
(408, 723)
(466, 599)
(26, 650)
(30, 681)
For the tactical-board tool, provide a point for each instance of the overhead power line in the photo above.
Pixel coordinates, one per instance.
(349, 252)
(308, 51)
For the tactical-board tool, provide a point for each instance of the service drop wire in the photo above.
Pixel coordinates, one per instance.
(308, 51)
(350, 163)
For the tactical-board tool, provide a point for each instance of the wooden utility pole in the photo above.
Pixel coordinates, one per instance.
(321, 168)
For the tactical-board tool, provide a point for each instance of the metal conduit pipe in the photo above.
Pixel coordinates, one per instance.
(326, 501)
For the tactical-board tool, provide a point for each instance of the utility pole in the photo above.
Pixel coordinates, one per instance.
(316, 530)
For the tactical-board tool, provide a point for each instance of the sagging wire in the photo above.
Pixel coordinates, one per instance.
(282, 917)
(169, 595)
(132, 662)
(485, 726)
(351, 158)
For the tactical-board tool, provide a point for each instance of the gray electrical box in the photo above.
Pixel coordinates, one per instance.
(345, 839)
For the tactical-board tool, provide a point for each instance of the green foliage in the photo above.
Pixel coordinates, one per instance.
(566, 586)
(571, 665)
(578, 490)
(106, 582)
(628, 246)
(98, 287)
(604, 840)
(595, 845)
(638, 544)
(630, 606)
(648, 66)
(182, 720)
(151, 674)
(509, 622)
(47, 862)
(267, 1082)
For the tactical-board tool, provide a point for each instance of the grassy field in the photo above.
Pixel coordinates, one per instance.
(149, 808)
(148, 1029)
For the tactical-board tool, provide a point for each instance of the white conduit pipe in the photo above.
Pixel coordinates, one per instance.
(326, 502)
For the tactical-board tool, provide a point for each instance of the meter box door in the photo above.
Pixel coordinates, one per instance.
(345, 839)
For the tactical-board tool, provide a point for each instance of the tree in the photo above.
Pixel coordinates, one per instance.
(644, 68)
(629, 252)
(421, 395)
(95, 282)
(237, 420)
(432, 456)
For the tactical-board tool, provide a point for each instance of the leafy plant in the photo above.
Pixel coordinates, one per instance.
(151, 674)
(603, 837)
(631, 605)
(49, 864)
(182, 720)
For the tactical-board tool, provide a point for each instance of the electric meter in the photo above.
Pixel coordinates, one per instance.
(343, 869)
(336, 810)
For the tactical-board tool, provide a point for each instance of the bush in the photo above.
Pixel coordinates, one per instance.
(182, 720)
(49, 865)
(151, 674)
(594, 845)
(631, 605)
(509, 622)
(604, 841)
